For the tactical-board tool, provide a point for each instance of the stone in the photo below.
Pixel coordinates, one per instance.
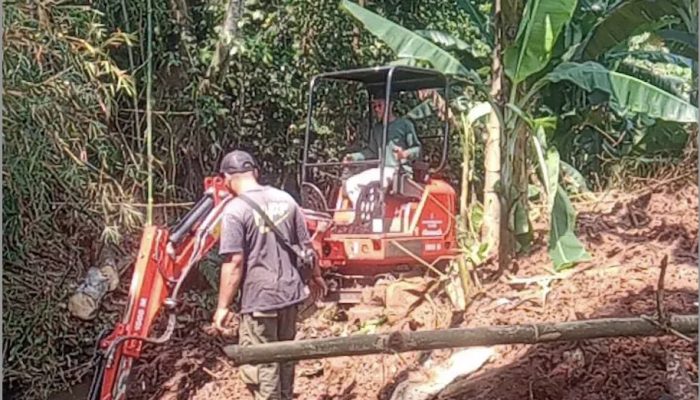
(403, 295)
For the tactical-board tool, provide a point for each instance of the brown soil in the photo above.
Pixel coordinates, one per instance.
(627, 237)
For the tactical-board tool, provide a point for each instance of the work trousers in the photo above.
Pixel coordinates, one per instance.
(274, 381)
(354, 184)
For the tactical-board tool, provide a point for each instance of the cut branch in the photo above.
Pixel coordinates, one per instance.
(398, 342)
(660, 291)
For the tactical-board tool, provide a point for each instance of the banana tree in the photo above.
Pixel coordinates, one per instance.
(533, 64)
(533, 53)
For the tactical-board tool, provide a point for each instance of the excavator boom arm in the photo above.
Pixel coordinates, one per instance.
(164, 259)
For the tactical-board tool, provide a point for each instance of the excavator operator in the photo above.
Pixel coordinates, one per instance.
(402, 144)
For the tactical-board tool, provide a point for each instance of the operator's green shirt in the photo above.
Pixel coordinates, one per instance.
(400, 133)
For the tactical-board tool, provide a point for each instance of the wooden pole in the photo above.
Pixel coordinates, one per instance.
(398, 342)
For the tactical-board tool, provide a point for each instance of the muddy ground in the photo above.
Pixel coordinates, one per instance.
(627, 235)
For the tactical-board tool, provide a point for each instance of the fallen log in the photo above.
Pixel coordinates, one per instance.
(398, 342)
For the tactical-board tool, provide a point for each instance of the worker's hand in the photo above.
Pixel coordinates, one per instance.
(318, 286)
(400, 153)
(222, 317)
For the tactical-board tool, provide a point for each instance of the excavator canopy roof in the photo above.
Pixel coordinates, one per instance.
(404, 78)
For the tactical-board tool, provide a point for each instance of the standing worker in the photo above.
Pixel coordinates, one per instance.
(257, 261)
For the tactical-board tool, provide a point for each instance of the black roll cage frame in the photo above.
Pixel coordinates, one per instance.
(414, 79)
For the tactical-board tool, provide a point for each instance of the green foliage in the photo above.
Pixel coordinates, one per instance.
(657, 56)
(668, 83)
(661, 138)
(681, 42)
(405, 43)
(539, 28)
(564, 248)
(626, 92)
(74, 104)
(74, 120)
(479, 18)
(449, 42)
(538, 50)
(68, 180)
(623, 21)
(548, 159)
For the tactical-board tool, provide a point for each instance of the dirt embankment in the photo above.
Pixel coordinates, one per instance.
(627, 237)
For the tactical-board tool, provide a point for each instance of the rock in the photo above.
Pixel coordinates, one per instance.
(379, 292)
(85, 302)
(402, 296)
(110, 272)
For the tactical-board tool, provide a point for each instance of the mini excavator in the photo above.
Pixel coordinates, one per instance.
(393, 228)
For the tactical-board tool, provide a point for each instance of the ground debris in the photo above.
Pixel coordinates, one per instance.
(620, 281)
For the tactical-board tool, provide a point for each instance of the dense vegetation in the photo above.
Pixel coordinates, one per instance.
(74, 100)
(75, 170)
(545, 75)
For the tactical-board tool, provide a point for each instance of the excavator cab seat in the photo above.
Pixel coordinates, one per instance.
(409, 186)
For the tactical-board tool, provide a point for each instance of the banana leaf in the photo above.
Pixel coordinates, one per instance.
(444, 40)
(662, 138)
(680, 42)
(622, 22)
(657, 57)
(548, 160)
(449, 42)
(627, 92)
(542, 22)
(564, 248)
(668, 83)
(572, 178)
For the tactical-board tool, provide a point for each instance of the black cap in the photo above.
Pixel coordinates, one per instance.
(236, 162)
(377, 92)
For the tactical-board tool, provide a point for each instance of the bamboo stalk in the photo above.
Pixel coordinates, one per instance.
(149, 119)
(398, 342)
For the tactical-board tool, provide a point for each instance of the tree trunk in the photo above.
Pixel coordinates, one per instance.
(520, 232)
(491, 228)
(511, 171)
(229, 29)
(398, 342)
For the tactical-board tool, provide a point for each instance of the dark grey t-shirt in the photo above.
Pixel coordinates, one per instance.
(270, 278)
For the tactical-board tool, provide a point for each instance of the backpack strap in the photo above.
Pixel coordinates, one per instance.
(271, 225)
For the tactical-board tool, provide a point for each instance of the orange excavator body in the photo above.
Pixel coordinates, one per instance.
(420, 230)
